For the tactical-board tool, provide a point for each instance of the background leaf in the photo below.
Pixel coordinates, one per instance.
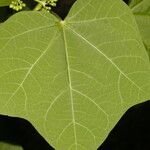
(4, 3)
(141, 10)
(73, 79)
(5, 146)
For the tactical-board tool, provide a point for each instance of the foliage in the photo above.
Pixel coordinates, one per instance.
(6, 146)
(5, 2)
(20, 4)
(45, 4)
(17, 5)
(134, 3)
(141, 10)
(73, 78)
(42, 4)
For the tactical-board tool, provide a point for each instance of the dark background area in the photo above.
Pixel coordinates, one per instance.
(132, 132)
(62, 8)
(18, 131)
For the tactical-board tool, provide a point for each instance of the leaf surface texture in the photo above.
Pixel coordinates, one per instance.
(73, 79)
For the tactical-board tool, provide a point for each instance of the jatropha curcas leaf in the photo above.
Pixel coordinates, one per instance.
(73, 78)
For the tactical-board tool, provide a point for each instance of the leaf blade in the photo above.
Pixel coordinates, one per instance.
(75, 91)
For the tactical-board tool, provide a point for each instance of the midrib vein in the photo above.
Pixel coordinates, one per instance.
(70, 85)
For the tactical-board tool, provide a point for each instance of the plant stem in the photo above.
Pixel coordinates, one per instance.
(38, 6)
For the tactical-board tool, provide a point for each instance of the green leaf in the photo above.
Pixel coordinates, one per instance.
(134, 3)
(4, 3)
(5, 146)
(142, 15)
(73, 79)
